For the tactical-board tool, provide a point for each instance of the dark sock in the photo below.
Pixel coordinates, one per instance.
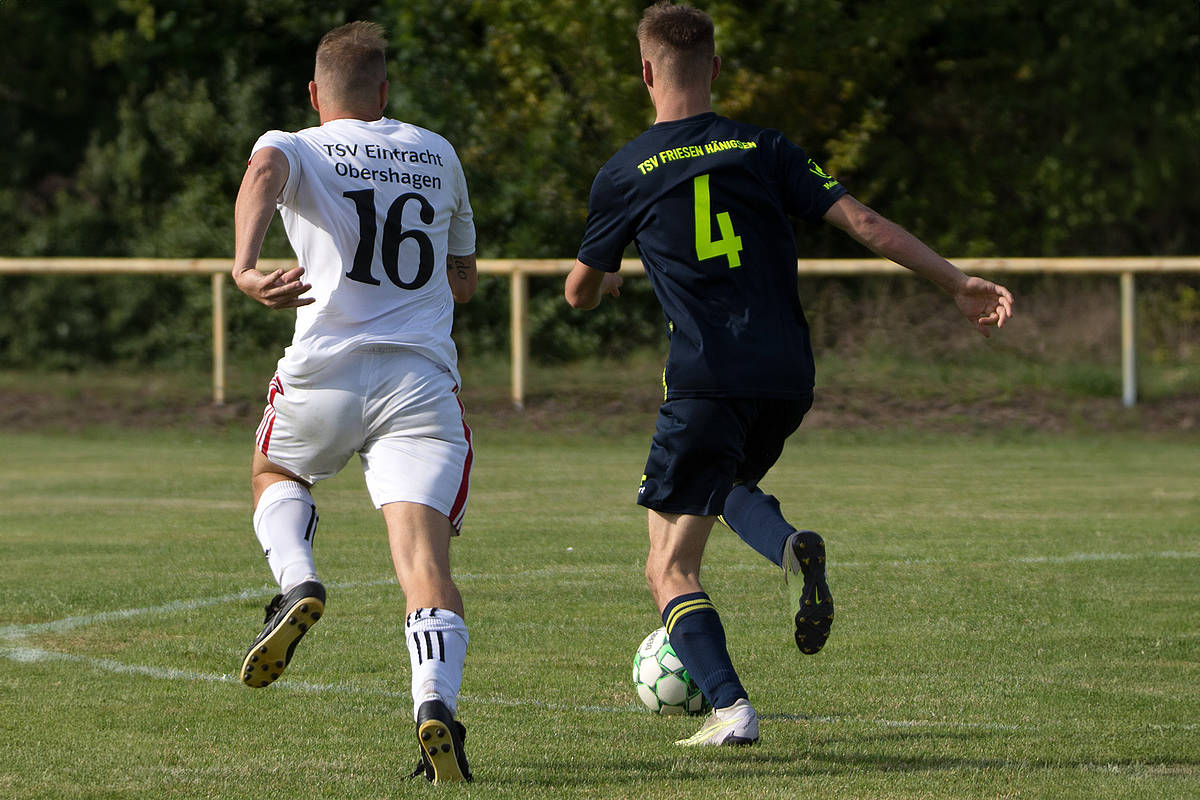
(756, 518)
(697, 637)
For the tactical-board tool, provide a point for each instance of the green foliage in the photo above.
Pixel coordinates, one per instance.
(1170, 318)
(997, 128)
(67, 322)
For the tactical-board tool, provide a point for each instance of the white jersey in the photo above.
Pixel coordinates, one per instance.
(372, 209)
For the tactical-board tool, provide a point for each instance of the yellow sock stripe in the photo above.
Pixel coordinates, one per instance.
(685, 608)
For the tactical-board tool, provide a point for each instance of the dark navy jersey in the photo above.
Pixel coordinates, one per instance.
(706, 200)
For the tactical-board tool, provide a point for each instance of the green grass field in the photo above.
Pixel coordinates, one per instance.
(1018, 617)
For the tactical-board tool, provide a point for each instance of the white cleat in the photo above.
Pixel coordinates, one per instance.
(733, 725)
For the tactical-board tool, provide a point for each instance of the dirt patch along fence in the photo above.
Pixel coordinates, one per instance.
(519, 270)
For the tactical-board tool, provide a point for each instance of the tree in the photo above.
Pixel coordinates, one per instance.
(989, 127)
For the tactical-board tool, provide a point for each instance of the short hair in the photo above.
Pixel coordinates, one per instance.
(678, 40)
(351, 62)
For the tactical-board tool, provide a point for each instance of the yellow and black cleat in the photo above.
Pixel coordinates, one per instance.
(808, 590)
(440, 738)
(288, 618)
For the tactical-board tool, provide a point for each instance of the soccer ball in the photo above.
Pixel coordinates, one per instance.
(662, 682)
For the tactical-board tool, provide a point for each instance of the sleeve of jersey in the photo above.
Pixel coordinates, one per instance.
(808, 190)
(461, 241)
(608, 228)
(283, 142)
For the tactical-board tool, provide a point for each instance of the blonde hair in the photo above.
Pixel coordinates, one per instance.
(678, 41)
(351, 63)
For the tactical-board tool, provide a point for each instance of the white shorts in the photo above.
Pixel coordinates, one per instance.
(397, 409)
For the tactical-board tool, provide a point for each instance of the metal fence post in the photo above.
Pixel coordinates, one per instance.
(518, 271)
(218, 324)
(1128, 341)
(518, 334)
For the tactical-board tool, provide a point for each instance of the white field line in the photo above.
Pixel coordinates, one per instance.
(1073, 558)
(12, 648)
(69, 623)
(27, 654)
(31, 654)
(81, 621)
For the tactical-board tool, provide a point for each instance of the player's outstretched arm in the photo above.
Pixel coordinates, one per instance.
(264, 180)
(982, 302)
(463, 275)
(586, 285)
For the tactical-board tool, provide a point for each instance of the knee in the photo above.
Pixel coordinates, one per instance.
(653, 576)
(667, 579)
(660, 566)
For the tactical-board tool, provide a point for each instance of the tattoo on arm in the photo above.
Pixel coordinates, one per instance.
(462, 266)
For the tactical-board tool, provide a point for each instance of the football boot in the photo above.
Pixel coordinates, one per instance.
(808, 591)
(733, 725)
(289, 616)
(440, 739)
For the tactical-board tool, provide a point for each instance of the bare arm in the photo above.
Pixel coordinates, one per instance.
(264, 180)
(463, 276)
(586, 285)
(982, 302)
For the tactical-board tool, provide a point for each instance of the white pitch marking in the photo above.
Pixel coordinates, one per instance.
(33, 654)
(898, 723)
(70, 623)
(1074, 558)
(19, 653)
(12, 632)
(29, 654)
(309, 687)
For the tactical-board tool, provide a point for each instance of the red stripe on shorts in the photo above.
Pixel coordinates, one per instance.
(262, 436)
(458, 510)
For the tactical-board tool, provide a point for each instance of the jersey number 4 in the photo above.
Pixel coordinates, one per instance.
(394, 235)
(728, 245)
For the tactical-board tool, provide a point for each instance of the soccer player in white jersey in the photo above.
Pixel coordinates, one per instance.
(378, 214)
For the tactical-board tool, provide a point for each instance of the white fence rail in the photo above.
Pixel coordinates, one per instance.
(519, 270)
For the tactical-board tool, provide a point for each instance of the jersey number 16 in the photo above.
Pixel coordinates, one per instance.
(394, 235)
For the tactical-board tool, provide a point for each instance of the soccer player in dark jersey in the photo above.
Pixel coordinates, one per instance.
(707, 202)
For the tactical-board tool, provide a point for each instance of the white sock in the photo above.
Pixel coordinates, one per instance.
(285, 523)
(437, 648)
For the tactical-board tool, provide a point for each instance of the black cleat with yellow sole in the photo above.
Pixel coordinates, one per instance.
(440, 737)
(812, 603)
(288, 618)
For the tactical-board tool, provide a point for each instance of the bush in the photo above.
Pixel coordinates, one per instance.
(66, 322)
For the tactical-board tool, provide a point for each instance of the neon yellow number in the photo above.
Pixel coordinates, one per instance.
(728, 245)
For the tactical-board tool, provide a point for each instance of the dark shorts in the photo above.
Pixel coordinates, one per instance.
(702, 447)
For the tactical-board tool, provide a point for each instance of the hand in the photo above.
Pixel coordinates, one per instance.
(276, 289)
(611, 284)
(984, 303)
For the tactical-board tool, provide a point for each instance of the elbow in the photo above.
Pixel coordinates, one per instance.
(583, 287)
(578, 293)
(579, 301)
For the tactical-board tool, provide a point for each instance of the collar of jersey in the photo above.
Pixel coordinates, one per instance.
(707, 115)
